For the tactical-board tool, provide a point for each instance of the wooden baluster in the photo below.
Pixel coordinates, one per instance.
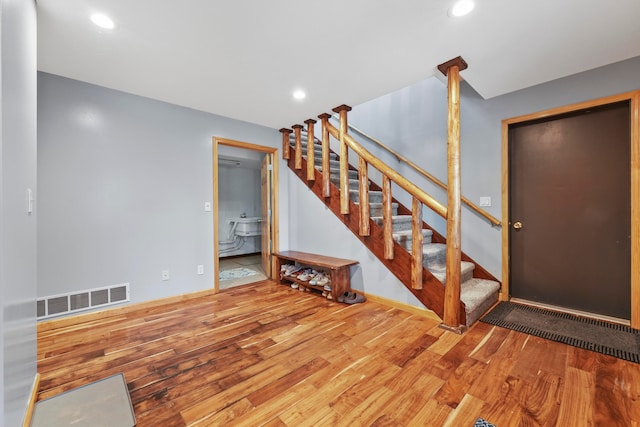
(326, 172)
(452, 313)
(286, 143)
(416, 244)
(311, 162)
(387, 217)
(344, 159)
(363, 186)
(298, 153)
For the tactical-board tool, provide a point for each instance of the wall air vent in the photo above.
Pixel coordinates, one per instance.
(56, 305)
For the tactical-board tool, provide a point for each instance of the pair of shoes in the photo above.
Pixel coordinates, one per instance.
(356, 299)
(291, 270)
(318, 276)
(346, 295)
(327, 288)
(294, 286)
(322, 280)
(285, 267)
(307, 274)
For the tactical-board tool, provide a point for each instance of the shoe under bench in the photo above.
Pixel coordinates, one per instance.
(339, 270)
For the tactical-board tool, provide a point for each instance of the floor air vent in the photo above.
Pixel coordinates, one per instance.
(56, 305)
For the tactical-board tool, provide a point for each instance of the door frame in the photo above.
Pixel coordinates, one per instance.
(634, 101)
(269, 151)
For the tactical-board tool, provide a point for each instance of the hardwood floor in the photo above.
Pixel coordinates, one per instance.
(264, 354)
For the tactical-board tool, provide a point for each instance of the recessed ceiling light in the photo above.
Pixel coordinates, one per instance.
(103, 21)
(299, 94)
(461, 8)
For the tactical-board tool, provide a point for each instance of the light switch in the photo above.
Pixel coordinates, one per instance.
(207, 206)
(485, 201)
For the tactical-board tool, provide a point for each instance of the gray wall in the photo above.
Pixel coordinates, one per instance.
(123, 181)
(17, 227)
(413, 122)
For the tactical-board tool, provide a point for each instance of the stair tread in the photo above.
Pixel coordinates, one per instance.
(378, 204)
(394, 218)
(440, 271)
(409, 233)
(478, 296)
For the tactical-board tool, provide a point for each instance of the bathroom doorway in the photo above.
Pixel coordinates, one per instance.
(245, 212)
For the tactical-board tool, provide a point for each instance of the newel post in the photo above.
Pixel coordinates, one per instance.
(452, 315)
(286, 143)
(344, 159)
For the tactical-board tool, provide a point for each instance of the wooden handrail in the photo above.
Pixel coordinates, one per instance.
(395, 176)
(493, 220)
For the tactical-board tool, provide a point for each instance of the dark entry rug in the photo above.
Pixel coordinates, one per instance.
(612, 339)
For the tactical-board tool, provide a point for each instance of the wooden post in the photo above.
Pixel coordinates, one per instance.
(387, 217)
(326, 172)
(286, 143)
(298, 153)
(311, 162)
(416, 244)
(344, 159)
(452, 313)
(363, 195)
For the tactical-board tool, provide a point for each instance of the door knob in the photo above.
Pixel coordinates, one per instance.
(517, 225)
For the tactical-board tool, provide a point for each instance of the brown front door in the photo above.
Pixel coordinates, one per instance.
(570, 210)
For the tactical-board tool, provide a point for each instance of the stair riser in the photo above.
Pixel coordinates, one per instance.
(406, 241)
(374, 196)
(335, 175)
(317, 153)
(399, 224)
(353, 183)
(433, 255)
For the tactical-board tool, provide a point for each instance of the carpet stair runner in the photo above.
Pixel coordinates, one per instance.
(477, 294)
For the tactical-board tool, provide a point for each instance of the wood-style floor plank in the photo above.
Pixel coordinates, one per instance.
(264, 354)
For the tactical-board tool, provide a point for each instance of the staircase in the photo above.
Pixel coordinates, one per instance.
(478, 288)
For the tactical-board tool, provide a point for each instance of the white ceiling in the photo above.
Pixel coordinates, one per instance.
(243, 58)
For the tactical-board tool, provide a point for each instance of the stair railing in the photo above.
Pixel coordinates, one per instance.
(493, 220)
(451, 310)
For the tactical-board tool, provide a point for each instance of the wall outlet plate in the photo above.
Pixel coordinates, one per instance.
(165, 275)
(200, 269)
(485, 201)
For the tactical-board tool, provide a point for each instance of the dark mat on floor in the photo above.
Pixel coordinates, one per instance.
(103, 403)
(612, 339)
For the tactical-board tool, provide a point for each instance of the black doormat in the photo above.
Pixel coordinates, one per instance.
(612, 339)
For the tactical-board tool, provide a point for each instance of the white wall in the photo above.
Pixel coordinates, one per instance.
(413, 122)
(123, 181)
(239, 192)
(17, 227)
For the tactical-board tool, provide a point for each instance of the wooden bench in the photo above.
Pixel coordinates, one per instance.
(338, 269)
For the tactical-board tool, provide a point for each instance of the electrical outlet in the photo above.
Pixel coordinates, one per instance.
(200, 269)
(207, 206)
(165, 275)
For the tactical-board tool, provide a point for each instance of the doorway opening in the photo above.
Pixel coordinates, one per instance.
(570, 239)
(245, 212)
